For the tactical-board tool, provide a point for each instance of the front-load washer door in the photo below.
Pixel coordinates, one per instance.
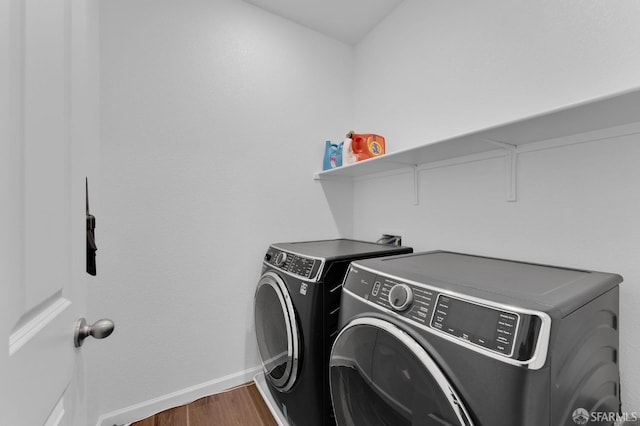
(382, 376)
(276, 331)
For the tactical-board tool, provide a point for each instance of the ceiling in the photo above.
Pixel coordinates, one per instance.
(345, 20)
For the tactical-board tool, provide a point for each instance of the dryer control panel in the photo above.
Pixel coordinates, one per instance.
(480, 324)
(301, 266)
(485, 326)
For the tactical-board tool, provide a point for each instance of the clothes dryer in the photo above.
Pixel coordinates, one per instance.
(297, 304)
(442, 338)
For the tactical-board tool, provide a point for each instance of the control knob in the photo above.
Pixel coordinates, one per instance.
(281, 258)
(400, 297)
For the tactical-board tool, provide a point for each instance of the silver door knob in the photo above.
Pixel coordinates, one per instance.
(100, 329)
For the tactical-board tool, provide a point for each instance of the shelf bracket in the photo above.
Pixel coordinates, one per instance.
(511, 168)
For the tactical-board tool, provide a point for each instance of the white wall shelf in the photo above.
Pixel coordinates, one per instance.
(586, 117)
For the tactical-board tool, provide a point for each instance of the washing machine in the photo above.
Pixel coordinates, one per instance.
(442, 338)
(296, 308)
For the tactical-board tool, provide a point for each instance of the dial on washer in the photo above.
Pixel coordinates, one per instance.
(281, 258)
(400, 297)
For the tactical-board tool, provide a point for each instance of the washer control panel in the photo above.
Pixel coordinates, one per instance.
(482, 325)
(464, 319)
(411, 301)
(301, 266)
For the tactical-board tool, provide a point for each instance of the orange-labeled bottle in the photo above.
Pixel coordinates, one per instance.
(367, 145)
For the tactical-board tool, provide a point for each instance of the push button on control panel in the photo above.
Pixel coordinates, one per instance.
(376, 288)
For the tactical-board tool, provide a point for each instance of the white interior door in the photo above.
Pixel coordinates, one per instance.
(44, 117)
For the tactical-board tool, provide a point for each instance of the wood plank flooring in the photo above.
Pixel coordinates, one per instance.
(240, 406)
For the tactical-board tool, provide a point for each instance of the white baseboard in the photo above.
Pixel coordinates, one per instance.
(148, 408)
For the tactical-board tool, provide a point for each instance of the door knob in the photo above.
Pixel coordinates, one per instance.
(100, 329)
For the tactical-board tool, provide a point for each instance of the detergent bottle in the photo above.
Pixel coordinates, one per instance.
(332, 155)
(367, 145)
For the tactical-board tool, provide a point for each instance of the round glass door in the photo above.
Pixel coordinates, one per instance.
(379, 375)
(276, 331)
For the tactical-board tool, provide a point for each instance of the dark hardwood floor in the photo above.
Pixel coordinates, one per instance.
(240, 406)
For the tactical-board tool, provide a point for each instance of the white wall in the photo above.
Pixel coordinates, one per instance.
(438, 68)
(214, 116)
